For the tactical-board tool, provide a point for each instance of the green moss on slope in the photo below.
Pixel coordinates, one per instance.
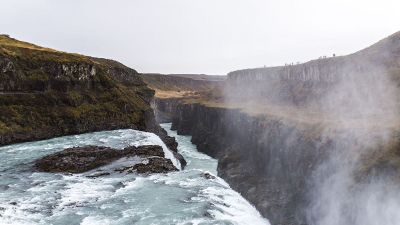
(46, 93)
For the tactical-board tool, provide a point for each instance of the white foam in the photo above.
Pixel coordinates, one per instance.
(230, 205)
(131, 185)
(81, 190)
(96, 220)
(152, 139)
(44, 198)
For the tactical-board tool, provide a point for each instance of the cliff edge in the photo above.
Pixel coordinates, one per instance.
(46, 93)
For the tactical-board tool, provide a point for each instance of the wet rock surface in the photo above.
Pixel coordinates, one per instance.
(249, 158)
(208, 176)
(46, 93)
(152, 165)
(145, 150)
(83, 159)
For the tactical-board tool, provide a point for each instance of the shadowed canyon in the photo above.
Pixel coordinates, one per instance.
(315, 143)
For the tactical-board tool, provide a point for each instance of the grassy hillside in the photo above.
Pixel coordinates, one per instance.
(46, 93)
(182, 86)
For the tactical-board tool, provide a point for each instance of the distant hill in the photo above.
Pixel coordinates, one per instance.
(200, 76)
(181, 85)
(384, 54)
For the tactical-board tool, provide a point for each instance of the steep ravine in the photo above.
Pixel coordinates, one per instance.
(271, 161)
(252, 151)
(315, 143)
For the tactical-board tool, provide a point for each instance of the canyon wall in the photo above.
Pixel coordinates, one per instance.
(315, 143)
(329, 70)
(275, 163)
(256, 156)
(304, 84)
(46, 93)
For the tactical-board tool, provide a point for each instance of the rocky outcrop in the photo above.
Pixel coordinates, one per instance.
(46, 93)
(153, 165)
(83, 159)
(154, 127)
(329, 70)
(303, 84)
(272, 149)
(280, 133)
(272, 161)
(251, 152)
(180, 82)
(164, 107)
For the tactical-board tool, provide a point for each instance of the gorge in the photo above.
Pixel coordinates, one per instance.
(315, 143)
(309, 144)
(93, 152)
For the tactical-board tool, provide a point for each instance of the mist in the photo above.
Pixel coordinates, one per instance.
(348, 108)
(309, 136)
(344, 188)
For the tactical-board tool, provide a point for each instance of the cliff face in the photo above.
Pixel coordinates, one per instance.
(183, 86)
(274, 163)
(303, 84)
(180, 82)
(309, 143)
(329, 70)
(173, 89)
(46, 93)
(256, 157)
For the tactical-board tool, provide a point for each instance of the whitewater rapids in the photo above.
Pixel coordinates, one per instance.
(184, 197)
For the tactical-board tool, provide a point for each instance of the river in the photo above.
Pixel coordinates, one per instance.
(185, 197)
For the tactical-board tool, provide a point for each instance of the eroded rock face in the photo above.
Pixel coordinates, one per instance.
(152, 165)
(208, 176)
(79, 159)
(83, 159)
(146, 150)
(253, 156)
(45, 93)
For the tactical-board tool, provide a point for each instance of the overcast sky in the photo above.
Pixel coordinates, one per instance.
(201, 36)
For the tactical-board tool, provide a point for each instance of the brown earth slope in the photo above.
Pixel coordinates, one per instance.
(46, 93)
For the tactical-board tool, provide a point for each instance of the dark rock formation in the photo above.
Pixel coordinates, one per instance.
(208, 176)
(303, 83)
(99, 174)
(181, 159)
(46, 93)
(331, 69)
(180, 82)
(79, 159)
(271, 158)
(146, 150)
(82, 159)
(255, 156)
(154, 165)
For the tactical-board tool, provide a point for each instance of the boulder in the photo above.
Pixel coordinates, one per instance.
(181, 159)
(155, 165)
(82, 159)
(208, 176)
(78, 159)
(146, 150)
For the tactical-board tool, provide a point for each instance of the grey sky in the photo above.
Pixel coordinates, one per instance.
(201, 36)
